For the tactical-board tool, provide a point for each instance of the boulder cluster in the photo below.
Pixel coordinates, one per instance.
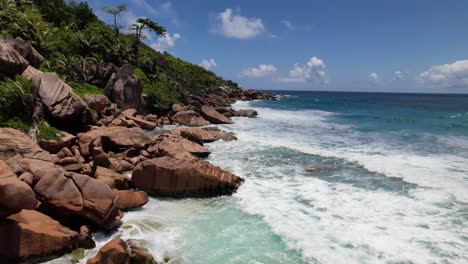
(59, 191)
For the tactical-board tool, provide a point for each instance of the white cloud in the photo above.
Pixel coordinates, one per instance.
(288, 24)
(236, 26)
(208, 63)
(446, 75)
(374, 77)
(166, 42)
(315, 71)
(262, 70)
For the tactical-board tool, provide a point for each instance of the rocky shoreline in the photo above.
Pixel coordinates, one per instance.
(61, 191)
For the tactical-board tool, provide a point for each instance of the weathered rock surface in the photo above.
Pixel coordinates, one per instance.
(58, 98)
(130, 199)
(112, 179)
(14, 193)
(204, 135)
(14, 142)
(113, 138)
(97, 102)
(167, 176)
(125, 89)
(190, 118)
(11, 62)
(30, 72)
(122, 252)
(210, 114)
(70, 195)
(33, 235)
(27, 51)
(176, 146)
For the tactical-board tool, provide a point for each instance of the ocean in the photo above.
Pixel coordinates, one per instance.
(387, 182)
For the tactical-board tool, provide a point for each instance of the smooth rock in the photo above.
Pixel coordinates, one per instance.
(97, 102)
(190, 118)
(213, 116)
(130, 199)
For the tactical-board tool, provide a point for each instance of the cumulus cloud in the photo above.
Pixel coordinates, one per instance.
(208, 63)
(315, 71)
(447, 75)
(288, 24)
(233, 25)
(262, 70)
(166, 42)
(374, 77)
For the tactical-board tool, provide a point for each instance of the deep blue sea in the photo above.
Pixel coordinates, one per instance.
(390, 185)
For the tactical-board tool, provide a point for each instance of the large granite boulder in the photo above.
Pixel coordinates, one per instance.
(97, 102)
(30, 235)
(210, 114)
(30, 72)
(72, 196)
(11, 62)
(122, 252)
(125, 89)
(15, 194)
(116, 138)
(176, 146)
(58, 98)
(190, 118)
(130, 199)
(171, 177)
(204, 135)
(16, 143)
(250, 113)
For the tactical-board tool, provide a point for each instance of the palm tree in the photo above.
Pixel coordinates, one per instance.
(146, 23)
(115, 12)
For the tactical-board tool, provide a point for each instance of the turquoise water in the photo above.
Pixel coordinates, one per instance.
(391, 186)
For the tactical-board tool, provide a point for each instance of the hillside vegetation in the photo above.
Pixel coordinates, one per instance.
(84, 50)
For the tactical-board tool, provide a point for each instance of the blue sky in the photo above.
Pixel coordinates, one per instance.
(361, 45)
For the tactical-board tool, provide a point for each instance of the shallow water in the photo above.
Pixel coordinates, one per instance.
(391, 186)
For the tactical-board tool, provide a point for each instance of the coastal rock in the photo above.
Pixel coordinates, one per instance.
(204, 135)
(130, 200)
(213, 116)
(176, 146)
(112, 179)
(58, 98)
(129, 112)
(33, 235)
(123, 122)
(97, 102)
(14, 193)
(246, 113)
(125, 89)
(122, 252)
(70, 195)
(190, 118)
(148, 125)
(16, 143)
(116, 138)
(167, 176)
(11, 62)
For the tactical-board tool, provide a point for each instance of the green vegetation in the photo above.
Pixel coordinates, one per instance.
(82, 89)
(48, 132)
(83, 51)
(17, 101)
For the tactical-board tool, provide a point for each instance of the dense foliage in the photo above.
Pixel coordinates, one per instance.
(81, 48)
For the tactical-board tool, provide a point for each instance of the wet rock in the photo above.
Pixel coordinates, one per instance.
(119, 251)
(130, 199)
(246, 113)
(213, 116)
(204, 135)
(168, 176)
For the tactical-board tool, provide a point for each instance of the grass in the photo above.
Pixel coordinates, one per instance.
(47, 132)
(82, 89)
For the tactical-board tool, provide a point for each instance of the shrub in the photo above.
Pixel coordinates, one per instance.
(82, 89)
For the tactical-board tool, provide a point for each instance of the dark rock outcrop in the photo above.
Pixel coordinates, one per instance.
(125, 89)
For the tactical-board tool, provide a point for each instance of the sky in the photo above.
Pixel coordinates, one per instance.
(347, 45)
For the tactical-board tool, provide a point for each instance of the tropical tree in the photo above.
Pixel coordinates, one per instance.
(115, 12)
(146, 23)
